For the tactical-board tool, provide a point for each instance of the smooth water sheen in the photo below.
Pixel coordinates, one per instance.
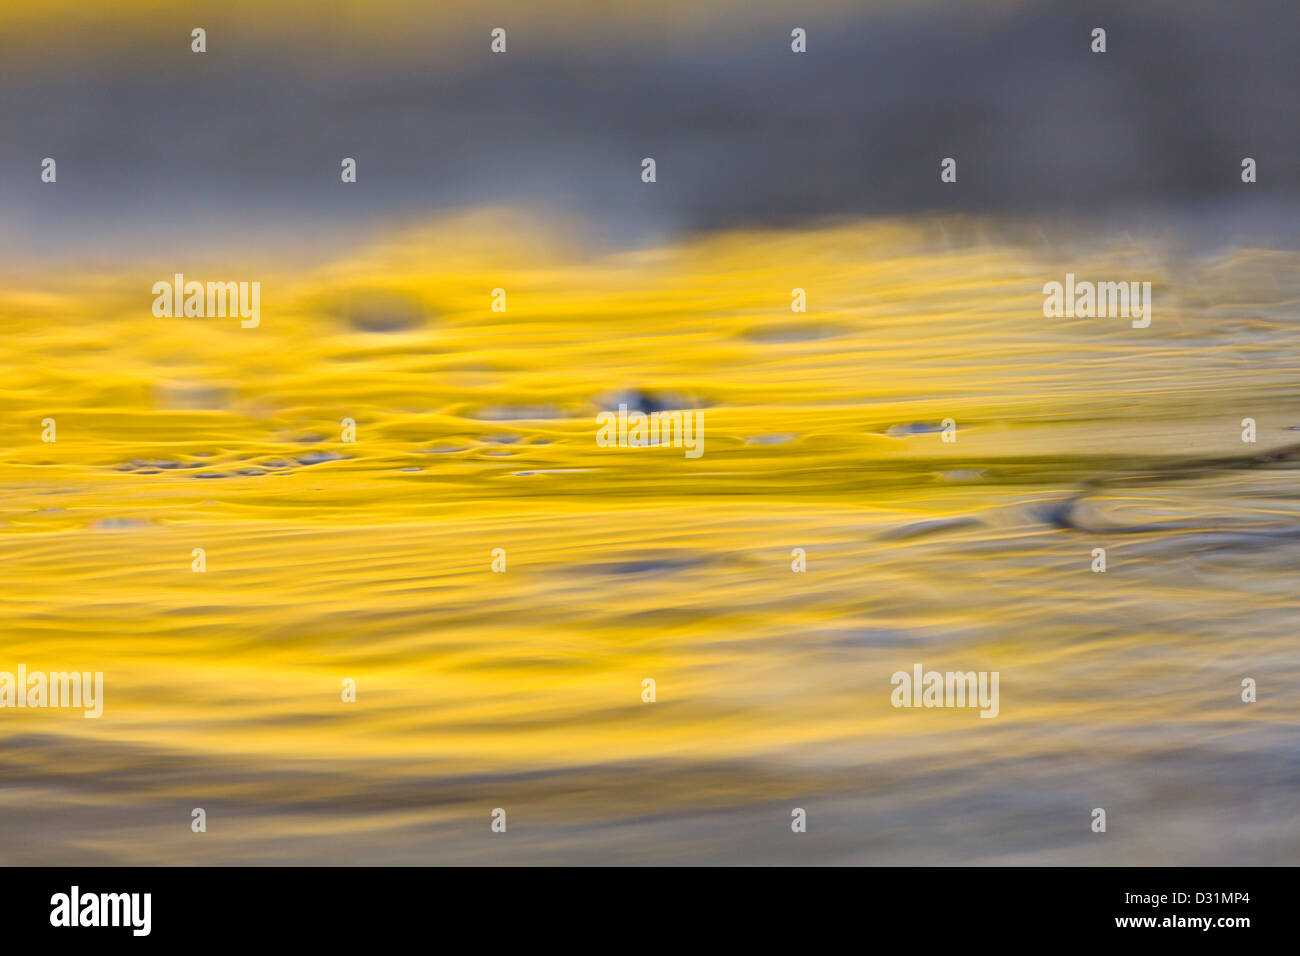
(476, 430)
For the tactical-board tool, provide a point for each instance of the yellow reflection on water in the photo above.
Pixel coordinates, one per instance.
(329, 560)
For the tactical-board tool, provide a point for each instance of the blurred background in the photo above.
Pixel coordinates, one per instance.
(371, 560)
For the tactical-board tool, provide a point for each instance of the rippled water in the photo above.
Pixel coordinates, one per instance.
(371, 560)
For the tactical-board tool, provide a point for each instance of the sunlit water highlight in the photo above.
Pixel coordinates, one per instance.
(328, 560)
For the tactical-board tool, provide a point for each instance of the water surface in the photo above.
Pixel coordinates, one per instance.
(371, 560)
